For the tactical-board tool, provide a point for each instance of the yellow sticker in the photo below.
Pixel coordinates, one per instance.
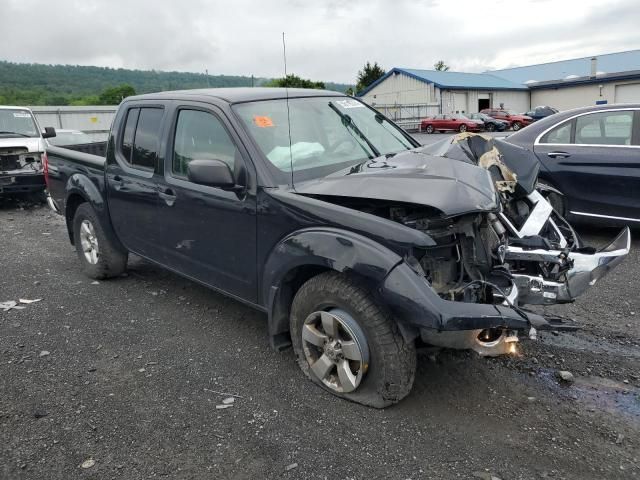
(263, 122)
(93, 119)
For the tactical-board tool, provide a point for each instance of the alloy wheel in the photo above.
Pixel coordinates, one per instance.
(335, 349)
(89, 242)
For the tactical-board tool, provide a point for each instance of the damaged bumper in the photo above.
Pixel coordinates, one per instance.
(21, 182)
(587, 269)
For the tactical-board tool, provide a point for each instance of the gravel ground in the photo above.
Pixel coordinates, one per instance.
(124, 376)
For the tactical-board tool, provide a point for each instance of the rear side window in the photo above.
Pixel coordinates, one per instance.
(560, 134)
(605, 128)
(141, 138)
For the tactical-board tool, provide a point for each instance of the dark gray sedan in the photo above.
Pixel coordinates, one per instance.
(590, 161)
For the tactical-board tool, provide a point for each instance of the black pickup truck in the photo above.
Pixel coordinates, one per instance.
(357, 243)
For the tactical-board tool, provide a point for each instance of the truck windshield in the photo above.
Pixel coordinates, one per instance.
(17, 123)
(327, 134)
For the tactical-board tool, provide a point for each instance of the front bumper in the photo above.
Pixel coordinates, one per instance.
(21, 182)
(587, 269)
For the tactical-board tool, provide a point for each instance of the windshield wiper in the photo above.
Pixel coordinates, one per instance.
(15, 133)
(348, 122)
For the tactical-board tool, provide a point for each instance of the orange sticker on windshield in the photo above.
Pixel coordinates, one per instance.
(263, 122)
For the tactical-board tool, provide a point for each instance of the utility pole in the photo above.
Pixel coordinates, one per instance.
(207, 74)
(252, 81)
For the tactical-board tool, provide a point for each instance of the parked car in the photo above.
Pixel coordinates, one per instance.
(66, 137)
(540, 112)
(22, 149)
(353, 239)
(455, 122)
(589, 161)
(490, 124)
(515, 121)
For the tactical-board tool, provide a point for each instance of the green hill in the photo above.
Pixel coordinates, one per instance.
(39, 84)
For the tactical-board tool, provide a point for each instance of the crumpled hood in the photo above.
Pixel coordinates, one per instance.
(452, 187)
(33, 145)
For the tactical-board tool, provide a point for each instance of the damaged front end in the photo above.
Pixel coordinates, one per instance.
(487, 265)
(21, 170)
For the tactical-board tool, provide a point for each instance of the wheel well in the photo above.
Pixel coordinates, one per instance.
(72, 204)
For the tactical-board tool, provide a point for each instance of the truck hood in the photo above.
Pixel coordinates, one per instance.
(452, 187)
(33, 145)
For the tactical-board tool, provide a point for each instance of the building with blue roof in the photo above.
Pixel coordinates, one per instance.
(406, 93)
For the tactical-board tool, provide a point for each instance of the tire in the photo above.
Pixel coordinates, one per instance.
(490, 127)
(103, 260)
(462, 128)
(389, 363)
(516, 126)
(558, 202)
(429, 129)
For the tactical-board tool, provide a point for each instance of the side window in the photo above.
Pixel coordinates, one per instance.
(145, 149)
(605, 128)
(202, 136)
(560, 134)
(129, 132)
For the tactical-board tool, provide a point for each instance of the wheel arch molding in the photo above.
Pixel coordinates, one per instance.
(308, 252)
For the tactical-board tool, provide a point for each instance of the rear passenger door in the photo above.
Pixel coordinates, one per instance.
(132, 172)
(209, 234)
(594, 159)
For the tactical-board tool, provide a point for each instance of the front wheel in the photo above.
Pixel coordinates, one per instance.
(348, 344)
(462, 128)
(490, 127)
(429, 129)
(99, 257)
(516, 126)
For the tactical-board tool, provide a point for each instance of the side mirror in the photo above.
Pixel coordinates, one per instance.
(49, 132)
(214, 173)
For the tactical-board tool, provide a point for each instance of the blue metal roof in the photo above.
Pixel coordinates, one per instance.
(452, 80)
(580, 67)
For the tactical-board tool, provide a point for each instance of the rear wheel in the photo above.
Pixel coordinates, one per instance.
(349, 344)
(516, 126)
(99, 257)
(462, 128)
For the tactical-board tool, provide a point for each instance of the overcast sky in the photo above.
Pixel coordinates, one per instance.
(326, 40)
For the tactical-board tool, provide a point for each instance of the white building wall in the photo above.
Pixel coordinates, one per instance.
(94, 121)
(515, 100)
(567, 98)
(400, 89)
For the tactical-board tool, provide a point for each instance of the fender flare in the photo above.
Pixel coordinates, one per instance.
(321, 249)
(81, 185)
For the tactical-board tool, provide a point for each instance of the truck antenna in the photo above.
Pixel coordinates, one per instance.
(286, 90)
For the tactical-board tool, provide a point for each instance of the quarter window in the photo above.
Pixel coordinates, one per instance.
(560, 134)
(202, 136)
(605, 128)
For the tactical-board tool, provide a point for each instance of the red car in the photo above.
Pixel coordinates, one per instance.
(457, 122)
(515, 121)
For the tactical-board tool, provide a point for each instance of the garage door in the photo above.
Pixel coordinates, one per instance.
(459, 102)
(628, 93)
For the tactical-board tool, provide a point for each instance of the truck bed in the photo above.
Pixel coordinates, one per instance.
(65, 162)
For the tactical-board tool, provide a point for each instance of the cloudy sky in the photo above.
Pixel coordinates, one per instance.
(326, 39)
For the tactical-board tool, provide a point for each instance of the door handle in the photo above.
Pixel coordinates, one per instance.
(117, 182)
(558, 154)
(168, 195)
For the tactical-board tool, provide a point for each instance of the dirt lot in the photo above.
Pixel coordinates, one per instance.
(125, 373)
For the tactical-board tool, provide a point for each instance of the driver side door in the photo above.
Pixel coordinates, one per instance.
(209, 233)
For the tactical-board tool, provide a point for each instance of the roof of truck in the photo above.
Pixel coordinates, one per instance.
(241, 94)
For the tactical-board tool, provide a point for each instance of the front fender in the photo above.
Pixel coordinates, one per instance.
(326, 248)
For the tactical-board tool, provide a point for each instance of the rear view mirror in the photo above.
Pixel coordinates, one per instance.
(214, 173)
(49, 132)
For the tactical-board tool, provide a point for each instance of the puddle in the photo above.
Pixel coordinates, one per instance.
(598, 394)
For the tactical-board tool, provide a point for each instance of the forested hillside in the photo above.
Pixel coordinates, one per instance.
(38, 84)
